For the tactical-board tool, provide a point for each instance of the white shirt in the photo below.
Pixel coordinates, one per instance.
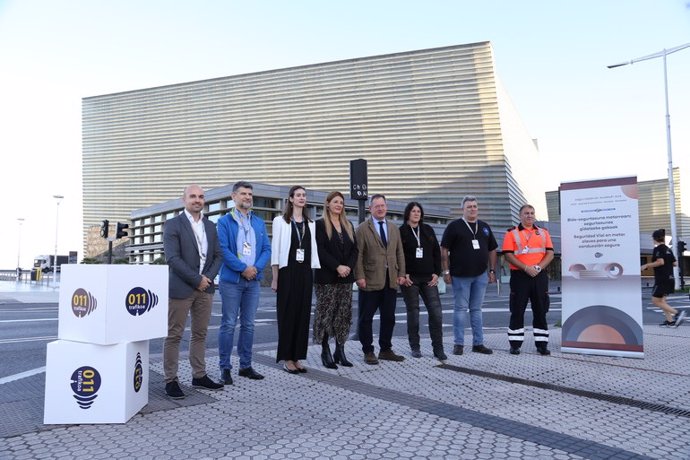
(200, 236)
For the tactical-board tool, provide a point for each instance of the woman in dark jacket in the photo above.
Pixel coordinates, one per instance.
(423, 265)
(335, 240)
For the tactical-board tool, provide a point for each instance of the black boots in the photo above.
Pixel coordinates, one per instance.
(326, 356)
(339, 356)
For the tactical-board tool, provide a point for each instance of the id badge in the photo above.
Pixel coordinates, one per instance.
(246, 249)
(420, 253)
(475, 244)
(299, 255)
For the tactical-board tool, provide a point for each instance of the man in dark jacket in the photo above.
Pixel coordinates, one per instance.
(194, 258)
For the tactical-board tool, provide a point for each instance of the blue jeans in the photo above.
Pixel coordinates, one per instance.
(469, 293)
(239, 299)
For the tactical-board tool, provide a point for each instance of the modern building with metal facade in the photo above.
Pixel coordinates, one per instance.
(434, 125)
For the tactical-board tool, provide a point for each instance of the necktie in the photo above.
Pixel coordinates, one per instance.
(383, 234)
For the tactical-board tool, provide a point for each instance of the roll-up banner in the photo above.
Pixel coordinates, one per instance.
(600, 246)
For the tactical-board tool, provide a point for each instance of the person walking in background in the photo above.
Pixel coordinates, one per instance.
(663, 262)
(380, 269)
(335, 240)
(193, 255)
(293, 256)
(422, 266)
(468, 254)
(246, 252)
(529, 250)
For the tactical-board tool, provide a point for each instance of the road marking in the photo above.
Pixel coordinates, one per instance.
(26, 320)
(21, 375)
(27, 339)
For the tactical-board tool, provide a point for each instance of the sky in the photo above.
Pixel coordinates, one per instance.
(551, 56)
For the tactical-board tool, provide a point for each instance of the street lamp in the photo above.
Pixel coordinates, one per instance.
(20, 221)
(671, 190)
(58, 199)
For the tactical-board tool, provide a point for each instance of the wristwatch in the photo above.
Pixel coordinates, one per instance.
(491, 270)
(445, 272)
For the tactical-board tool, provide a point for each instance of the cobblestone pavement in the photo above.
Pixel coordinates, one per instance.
(473, 406)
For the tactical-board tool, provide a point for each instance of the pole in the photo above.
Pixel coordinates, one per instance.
(19, 241)
(671, 185)
(57, 215)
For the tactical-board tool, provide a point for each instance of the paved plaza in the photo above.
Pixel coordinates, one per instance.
(474, 406)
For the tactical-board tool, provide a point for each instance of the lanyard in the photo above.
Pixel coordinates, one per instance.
(474, 232)
(299, 235)
(416, 236)
(246, 226)
(199, 243)
(529, 235)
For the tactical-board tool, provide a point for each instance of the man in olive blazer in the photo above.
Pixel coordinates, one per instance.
(380, 269)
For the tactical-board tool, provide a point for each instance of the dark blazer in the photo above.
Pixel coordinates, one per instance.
(182, 256)
(332, 254)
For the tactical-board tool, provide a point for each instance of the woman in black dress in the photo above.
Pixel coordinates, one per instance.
(335, 239)
(293, 256)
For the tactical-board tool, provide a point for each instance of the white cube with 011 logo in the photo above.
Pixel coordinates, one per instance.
(88, 383)
(109, 304)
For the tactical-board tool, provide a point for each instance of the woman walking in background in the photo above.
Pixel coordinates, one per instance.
(337, 249)
(293, 256)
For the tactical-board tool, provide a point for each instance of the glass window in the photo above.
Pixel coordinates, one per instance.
(264, 203)
(212, 207)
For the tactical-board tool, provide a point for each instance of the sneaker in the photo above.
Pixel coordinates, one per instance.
(226, 377)
(389, 355)
(667, 323)
(440, 355)
(173, 390)
(370, 358)
(416, 353)
(482, 349)
(457, 349)
(514, 350)
(206, 383)
(680, 317)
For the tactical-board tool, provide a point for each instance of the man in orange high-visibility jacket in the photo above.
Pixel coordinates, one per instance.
(528, 250)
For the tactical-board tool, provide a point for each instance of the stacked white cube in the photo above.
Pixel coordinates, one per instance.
(98, 369)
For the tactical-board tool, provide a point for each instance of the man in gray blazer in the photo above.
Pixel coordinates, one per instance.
(194, 258)
(380, 269)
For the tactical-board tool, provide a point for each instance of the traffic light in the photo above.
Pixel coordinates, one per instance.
(681, 248)
(104, 228)
(121, 233)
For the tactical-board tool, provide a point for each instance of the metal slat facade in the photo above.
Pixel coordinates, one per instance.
(428, 122)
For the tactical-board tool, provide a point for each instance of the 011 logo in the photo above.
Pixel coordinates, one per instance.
(85, 384)
(139, 301)
(83, 303)
(138, 374)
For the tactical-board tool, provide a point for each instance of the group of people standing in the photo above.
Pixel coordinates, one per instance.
(328, 255)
